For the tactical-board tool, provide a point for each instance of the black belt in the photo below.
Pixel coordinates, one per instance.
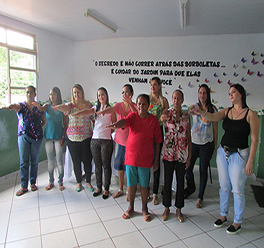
(229, 150)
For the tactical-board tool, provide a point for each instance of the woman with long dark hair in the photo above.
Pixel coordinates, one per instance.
(204, 142)
(102, 143)
(234, 156)
(54, 135)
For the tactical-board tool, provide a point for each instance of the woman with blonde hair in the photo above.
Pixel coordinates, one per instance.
(79, 134)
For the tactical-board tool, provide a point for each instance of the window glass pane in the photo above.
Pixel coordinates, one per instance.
(22, 78)
(18, 96)
(2, 35)
(20, 40)
(22, 60)
(3, 76)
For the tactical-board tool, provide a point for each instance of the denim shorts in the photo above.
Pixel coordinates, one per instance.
(137, 175)
(120, 158)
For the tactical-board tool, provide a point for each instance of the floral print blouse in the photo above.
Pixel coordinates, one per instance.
(29, 122)
(175, 146)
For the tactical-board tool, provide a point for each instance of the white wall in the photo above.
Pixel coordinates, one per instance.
(55, 59)
(227, 49)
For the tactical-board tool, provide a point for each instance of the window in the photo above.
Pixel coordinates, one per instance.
(18, 64)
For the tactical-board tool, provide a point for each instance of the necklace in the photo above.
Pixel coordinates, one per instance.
(238, 114)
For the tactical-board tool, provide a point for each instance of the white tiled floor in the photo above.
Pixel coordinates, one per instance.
(71, 219)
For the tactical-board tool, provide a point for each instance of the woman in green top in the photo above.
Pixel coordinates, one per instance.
(157, 104)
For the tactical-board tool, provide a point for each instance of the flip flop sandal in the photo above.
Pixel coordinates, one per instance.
(22, 191)
(147, 218)
(50, 186)
(126, 216)
(118, 193)
(33, 187)
(61, 187)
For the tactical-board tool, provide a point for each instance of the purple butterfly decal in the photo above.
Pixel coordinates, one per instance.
(253, 61)
(259, 74)
(243, 79)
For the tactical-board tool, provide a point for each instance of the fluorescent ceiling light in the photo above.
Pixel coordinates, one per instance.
(183, 13)
(98, 18)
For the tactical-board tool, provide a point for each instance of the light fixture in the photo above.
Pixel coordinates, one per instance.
(98, 18)
(183, 13)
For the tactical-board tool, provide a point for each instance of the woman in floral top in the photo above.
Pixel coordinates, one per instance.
(176, 152)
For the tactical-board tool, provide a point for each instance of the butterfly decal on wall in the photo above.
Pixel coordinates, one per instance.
(243, 60)
(253, 53)
(253, 61)
(190, 85)
(206, 80)
(211, 91)
(243, 79)
(249, 72)
(180, 87)
(215, 75)
(197, 80)
(224, 74)
(262, 62)
(262, 55)
(218, 81)
(166, 93)
(229, 83)
(235, 74)
(259, 74)
(243, 66)
(235, 66)
(214, 101)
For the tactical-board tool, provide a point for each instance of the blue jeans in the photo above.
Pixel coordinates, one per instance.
(28, 153)
(204, 152)
(232, 178)
(50, 144)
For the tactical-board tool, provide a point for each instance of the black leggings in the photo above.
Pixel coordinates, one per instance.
(81, 152)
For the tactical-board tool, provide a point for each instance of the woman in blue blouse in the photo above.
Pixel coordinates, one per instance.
(55, 136)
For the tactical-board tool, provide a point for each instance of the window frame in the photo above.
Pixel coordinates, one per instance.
(9, 48)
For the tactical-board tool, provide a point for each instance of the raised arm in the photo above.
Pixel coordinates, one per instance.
(217, 116)
(128, 100)
(119, 124)
(89, 111)
(65, 108)
(253, 120)
(109, 110)
(15, 107)
(40, 107)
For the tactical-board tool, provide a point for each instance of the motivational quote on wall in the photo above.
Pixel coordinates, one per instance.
(137, 70)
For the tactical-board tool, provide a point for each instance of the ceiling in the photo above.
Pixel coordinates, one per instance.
(138, 18)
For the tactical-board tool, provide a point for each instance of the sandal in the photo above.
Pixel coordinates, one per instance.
(118, 193)
(34, 187)
(61, 187)
(126, 216)
(199, 203)
(49, 187)
(147, 218)
(22, 191)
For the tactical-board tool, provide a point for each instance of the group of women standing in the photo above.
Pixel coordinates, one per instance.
(141, 144)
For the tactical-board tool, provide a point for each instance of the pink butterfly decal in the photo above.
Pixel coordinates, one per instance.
(259, 74)
(253, 61)
(229, 83)
(190, 85)
(206, 80)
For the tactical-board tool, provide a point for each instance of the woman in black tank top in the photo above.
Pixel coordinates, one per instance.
(234, 157)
